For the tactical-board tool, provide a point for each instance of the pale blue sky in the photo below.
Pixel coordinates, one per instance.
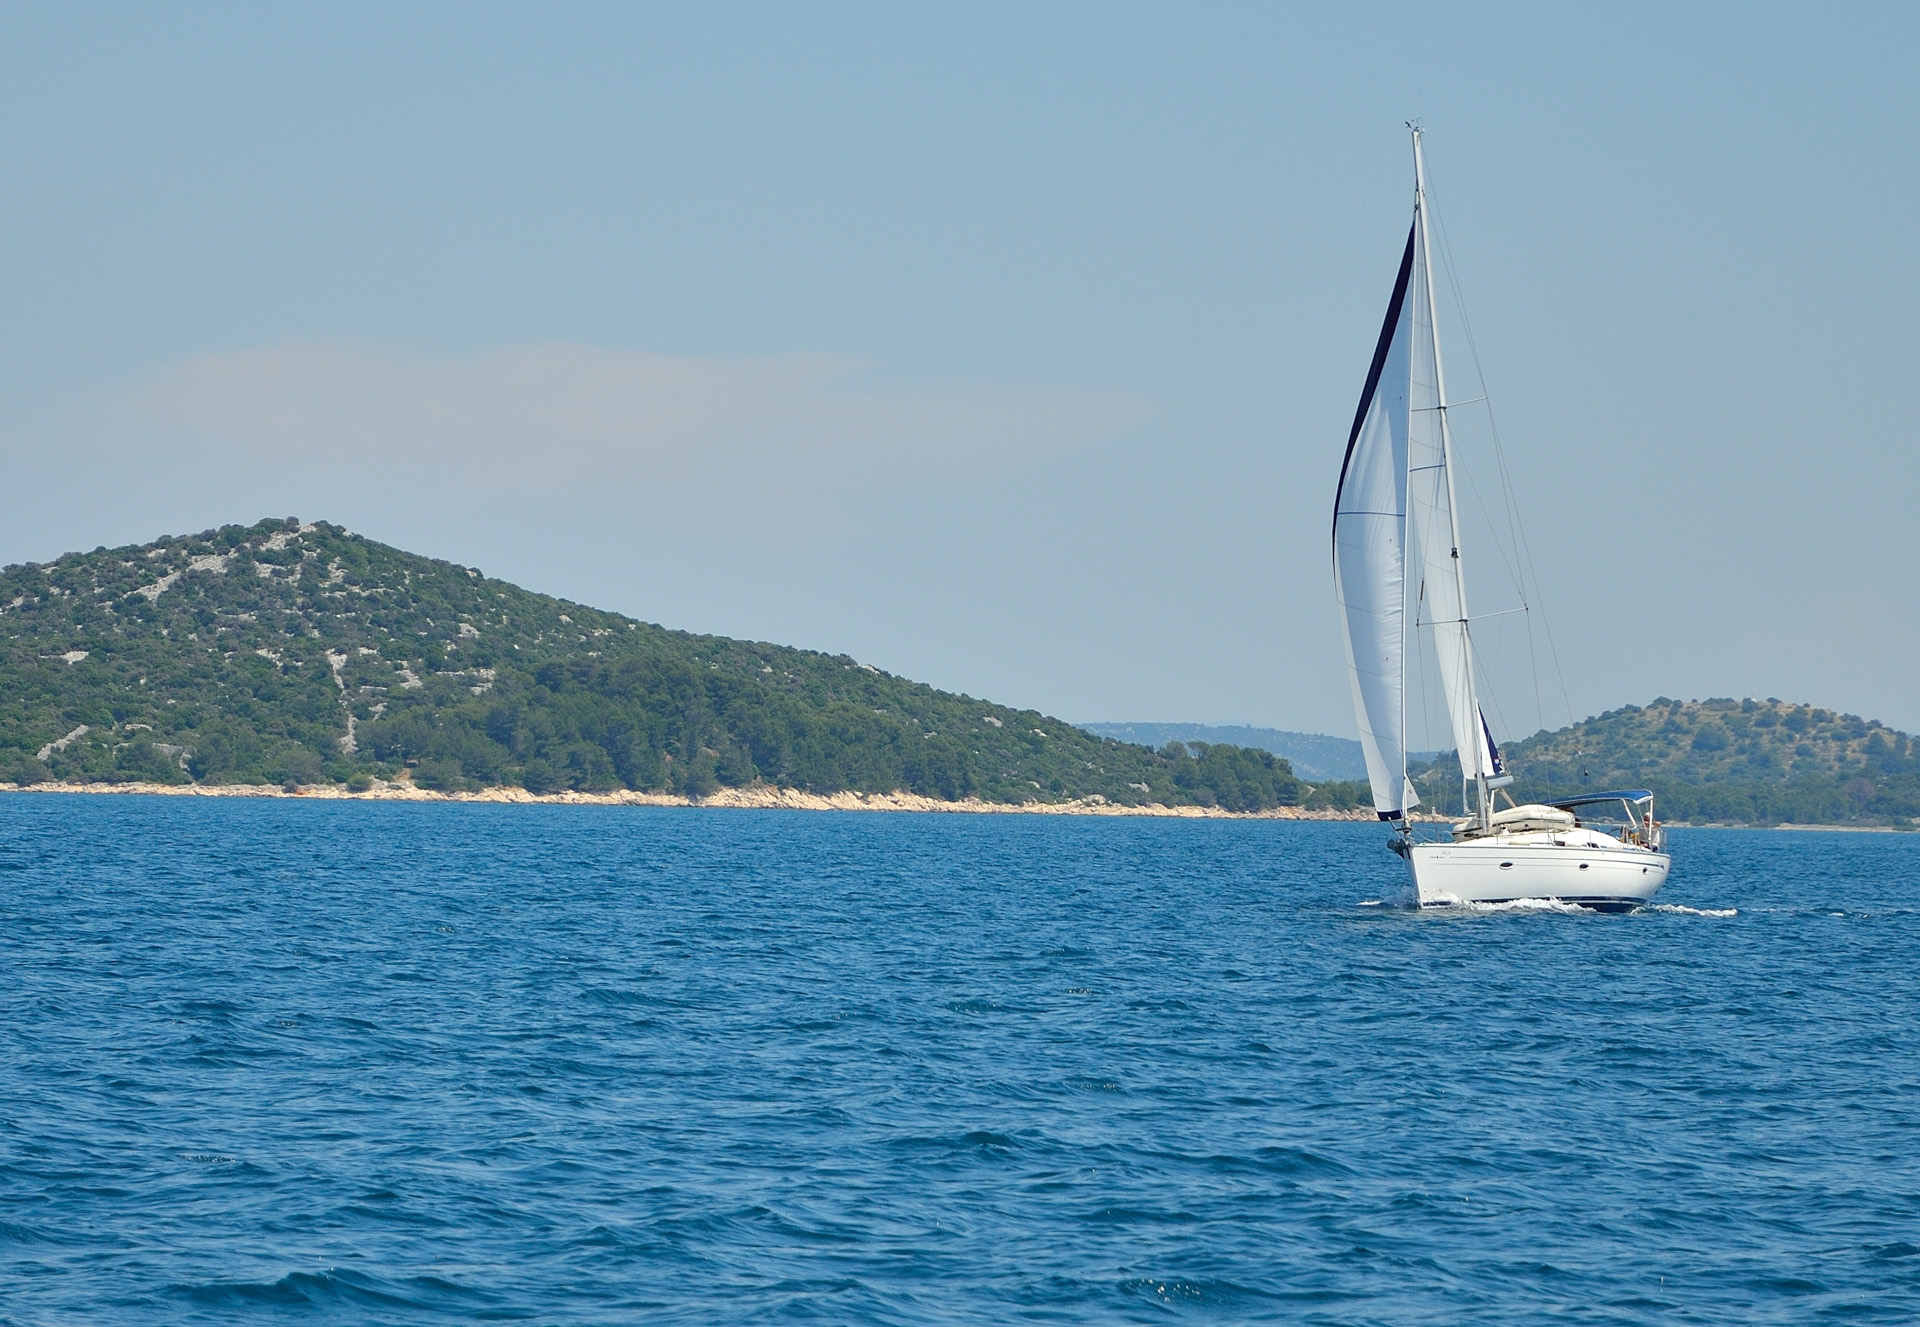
(1007, 347)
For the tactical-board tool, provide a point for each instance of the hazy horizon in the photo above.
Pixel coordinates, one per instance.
(1012, 351)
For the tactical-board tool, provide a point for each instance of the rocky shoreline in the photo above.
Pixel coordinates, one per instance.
(756, 798)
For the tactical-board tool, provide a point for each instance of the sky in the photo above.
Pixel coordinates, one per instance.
(1011, 348)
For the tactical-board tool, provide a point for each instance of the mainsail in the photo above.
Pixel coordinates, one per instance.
(1431, 512)
(1370, 554)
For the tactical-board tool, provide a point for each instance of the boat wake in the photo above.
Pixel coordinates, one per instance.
(1522, 905)
(1409, 901)
(1576, 909)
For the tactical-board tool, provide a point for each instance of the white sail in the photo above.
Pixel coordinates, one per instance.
(1434, 520)
(1370, 555)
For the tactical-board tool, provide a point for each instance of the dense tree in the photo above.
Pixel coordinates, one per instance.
(1749, 762)
(283, 653)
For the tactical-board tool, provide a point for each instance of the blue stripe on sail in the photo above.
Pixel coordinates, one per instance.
(1379, 362)
(1499, 765)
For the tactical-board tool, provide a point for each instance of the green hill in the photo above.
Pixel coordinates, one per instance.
(1312, 755)
(297, 653)
(1762, 762)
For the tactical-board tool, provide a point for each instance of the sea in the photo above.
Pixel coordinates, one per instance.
(330, 1062)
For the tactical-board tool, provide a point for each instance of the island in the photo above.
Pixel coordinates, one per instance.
(304, 658)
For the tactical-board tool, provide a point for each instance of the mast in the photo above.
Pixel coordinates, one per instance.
(1483, 807)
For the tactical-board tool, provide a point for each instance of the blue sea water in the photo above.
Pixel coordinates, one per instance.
(346, 1063)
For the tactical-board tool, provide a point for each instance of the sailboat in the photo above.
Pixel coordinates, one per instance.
(1397, 565)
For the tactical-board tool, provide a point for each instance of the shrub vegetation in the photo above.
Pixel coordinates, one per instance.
(284, 653)
(1743, 762)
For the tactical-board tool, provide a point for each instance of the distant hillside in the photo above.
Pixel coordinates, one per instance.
(1312, 755)
(301, 653)
(1729, 761)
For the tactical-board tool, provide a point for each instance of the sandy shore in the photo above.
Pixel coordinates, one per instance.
(784, 799)
(731, 798)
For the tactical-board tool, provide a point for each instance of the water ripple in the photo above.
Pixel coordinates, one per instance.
(339, 1063)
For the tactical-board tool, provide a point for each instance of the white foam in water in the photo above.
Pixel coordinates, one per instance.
(1526, 905)
(1405, 898)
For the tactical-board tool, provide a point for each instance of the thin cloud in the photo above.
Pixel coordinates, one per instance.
(524, 421)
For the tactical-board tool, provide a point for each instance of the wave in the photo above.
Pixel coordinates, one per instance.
(336, 1286)
(1403, 898)
(875, 1070)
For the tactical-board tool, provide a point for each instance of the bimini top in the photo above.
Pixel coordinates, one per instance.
(1628, 795)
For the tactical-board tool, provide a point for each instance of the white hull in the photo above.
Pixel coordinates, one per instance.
(1502, 870)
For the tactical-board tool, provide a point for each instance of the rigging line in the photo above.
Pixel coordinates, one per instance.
(1533, 665)
(1525, 545)
(1466, 323)
(1493, 699)
(1513, 572)
(1524, 549)
(1513, 566)
(1479, 617)
(1447, 405)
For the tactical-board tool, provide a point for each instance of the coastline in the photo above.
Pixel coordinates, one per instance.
(785, 799)
(746, 799)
